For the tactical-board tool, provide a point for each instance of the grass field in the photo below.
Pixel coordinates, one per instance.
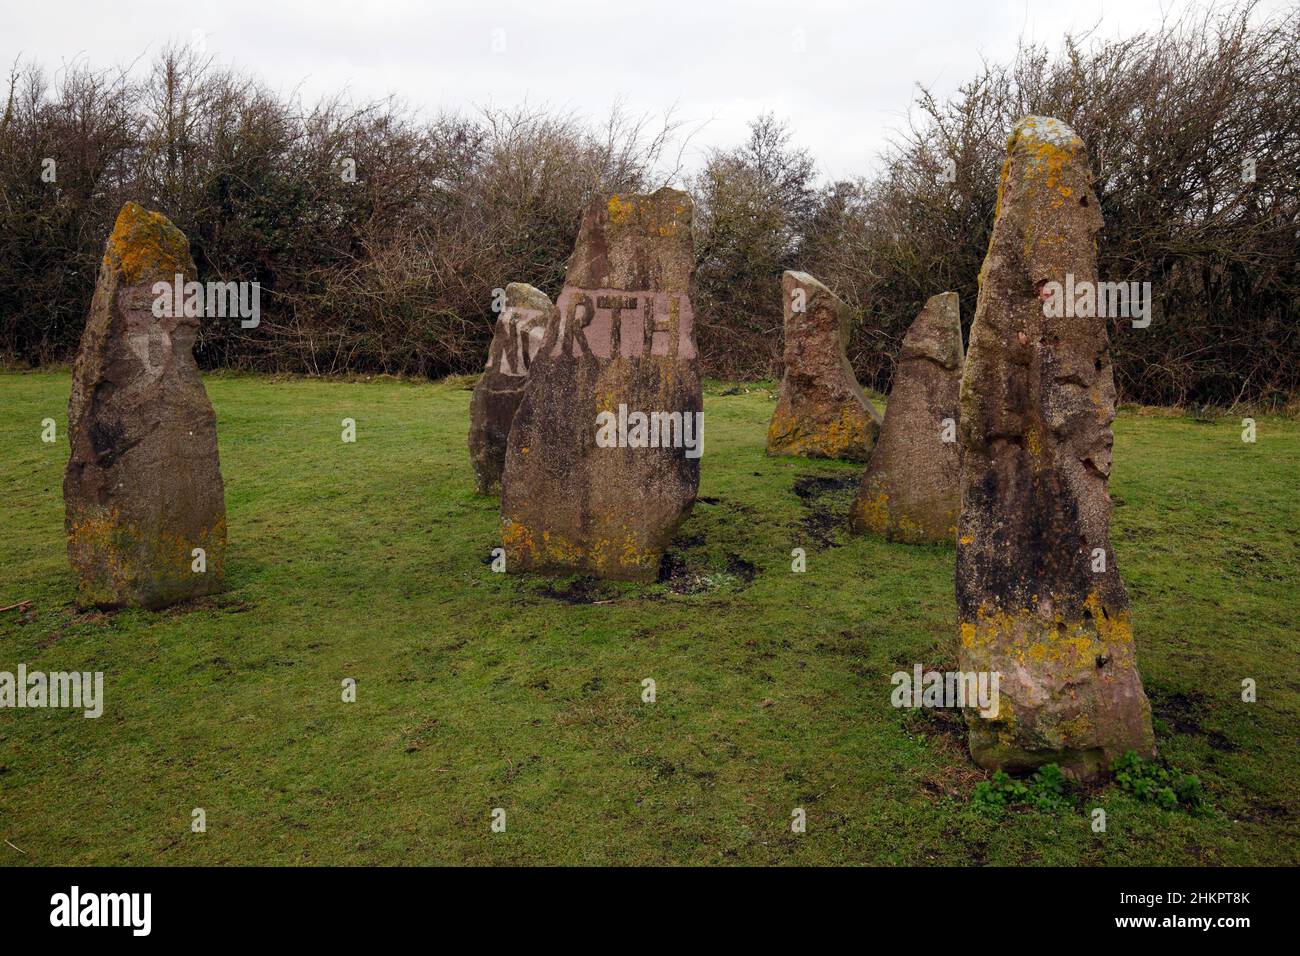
(478, 690)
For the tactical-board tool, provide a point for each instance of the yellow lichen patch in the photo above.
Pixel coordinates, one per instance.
(907, 531)
(1026, 639)
(93, 547)
(1033, 443)
(120, 562)
(872, 512)
(843, 436)
(876, 511)
(1002, 184)
(621, 211)
(1049, 146)
(146, 246)
(624, 557)
(655, 218)
(1050, 161)
(557, 549)
(635, 557)
(517, 539)
(1079, 727)
(1113, 626)
(614, 557)
(997, 206)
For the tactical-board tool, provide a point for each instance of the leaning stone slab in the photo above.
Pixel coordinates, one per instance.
(519, 332)
(821, 411)
(143, 486)
(1039, 596)
(910, 490)
(602, 463)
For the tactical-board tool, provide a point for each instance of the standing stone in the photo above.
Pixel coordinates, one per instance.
(143, 486)
(1039, 596)
(602, 463)
(500, 388)
(910, 491)
(821, 411)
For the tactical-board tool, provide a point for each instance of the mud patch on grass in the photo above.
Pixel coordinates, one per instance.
(416, 738)
(659, 768)
(940, 722)
(579, 590)
(1183, 713)
(92, 615)
(709, 555)
(694, 570)
(229, 603)
(738, 566)
(1267, 813)
(812, 487)
(826, 499)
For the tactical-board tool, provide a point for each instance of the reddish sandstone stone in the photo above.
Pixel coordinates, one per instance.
(910, 490)
(621, 341)
(500, 388)
(1039, 595)
(143, 486)
(821, 411)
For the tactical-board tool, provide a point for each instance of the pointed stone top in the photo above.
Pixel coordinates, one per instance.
(521, 295)
(1045, 130)
(791, 278)
(1047, 211)
(935, 334)
(1046, 150)
(145, 246)
(947, 302)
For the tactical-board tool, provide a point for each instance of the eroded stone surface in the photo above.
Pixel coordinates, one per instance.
(519, 332)
(821, 411)
(910, 490)
(143, 486)
(1037, 402)
(620, 340)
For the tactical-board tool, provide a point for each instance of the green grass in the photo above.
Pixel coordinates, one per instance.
(479, 690)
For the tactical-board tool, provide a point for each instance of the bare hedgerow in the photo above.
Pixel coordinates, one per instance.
(754, 205)
(1173, 120)
(378, 235)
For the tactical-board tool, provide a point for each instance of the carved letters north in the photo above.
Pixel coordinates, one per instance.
(608, 323)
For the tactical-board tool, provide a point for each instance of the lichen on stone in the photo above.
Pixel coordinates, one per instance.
(145, 246)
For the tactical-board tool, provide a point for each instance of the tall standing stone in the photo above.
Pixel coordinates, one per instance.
(1039, 596)
(910, 490)
(602, 463)
(519, 332)
(821, 411)
(143, 487)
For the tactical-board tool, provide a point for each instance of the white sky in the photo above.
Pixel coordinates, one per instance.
(718, 62)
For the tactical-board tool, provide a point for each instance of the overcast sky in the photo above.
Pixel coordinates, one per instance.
(843, 73)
